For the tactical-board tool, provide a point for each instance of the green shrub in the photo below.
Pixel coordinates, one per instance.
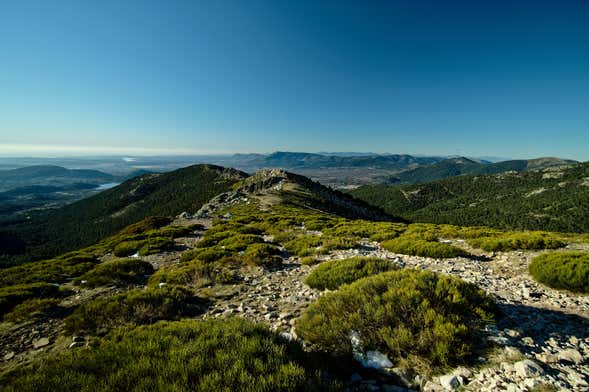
(410, 245)
(384, 236)
(135, 307)
(119, 272)
(239, 242)
(11, 296)
(332, 274)
(195, 273)
(57, 270)
(514, 241)
(32, 308)
(262, 254)
(304, 245)
(147, 224)
(307, 245)
(155, 245)
(213, 355)
(563, 270)
(127, 248)
(310, 260)
(405, 314)
(208, 255)
(145, 247)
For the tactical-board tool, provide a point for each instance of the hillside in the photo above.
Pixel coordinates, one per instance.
(463, 166)
(89, 220)
(550, 199)
(281, 284)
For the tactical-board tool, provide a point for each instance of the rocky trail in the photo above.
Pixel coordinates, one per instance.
(542, 339)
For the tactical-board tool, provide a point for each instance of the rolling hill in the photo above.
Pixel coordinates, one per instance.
(89, 220)
(554, 198)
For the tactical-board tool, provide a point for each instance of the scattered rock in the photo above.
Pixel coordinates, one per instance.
(528, 368)
(570, 355)
(576, 379)
(8, 356)
(376, 360)
(40, 342)
(450, 382)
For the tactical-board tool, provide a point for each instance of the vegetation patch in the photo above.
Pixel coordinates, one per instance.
(12, 296)
(145, 225)
(407, 314)
(134, 307)
(515, 241)
(262, 254)
(32, 308)
(57, 270)
(332, 274)
(212, 355)
(562, 270)
(195, 273)
(416, 246)
(304, 245)
(119, 272)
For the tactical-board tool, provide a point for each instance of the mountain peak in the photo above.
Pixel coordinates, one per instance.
(278, 186)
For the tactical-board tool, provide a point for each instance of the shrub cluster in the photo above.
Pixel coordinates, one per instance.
(195, 273)
(32, 308)
(11, 296)
(212, 355)
(416, 246)
(562, 270)
(118, 272)
(135, 307)
(332, 274)
(231, 243)
(57, 270)
(515, 241)
(403, 313)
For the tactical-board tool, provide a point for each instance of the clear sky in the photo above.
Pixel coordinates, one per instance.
(504, 77)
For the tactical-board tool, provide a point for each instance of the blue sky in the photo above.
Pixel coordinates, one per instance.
(504, 78)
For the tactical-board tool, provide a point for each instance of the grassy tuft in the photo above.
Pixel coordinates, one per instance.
(562, 270)
(332, 274)
(416, 246)
(195, 273)
(119, 272)
(515, 241)
(12, 296)
(404, 314)
(32, 308)
(212, 355)
(134, 307)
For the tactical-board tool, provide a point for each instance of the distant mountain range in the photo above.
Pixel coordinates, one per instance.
(304, 160)
(541, 196)
(462, 166)
(355, 169)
